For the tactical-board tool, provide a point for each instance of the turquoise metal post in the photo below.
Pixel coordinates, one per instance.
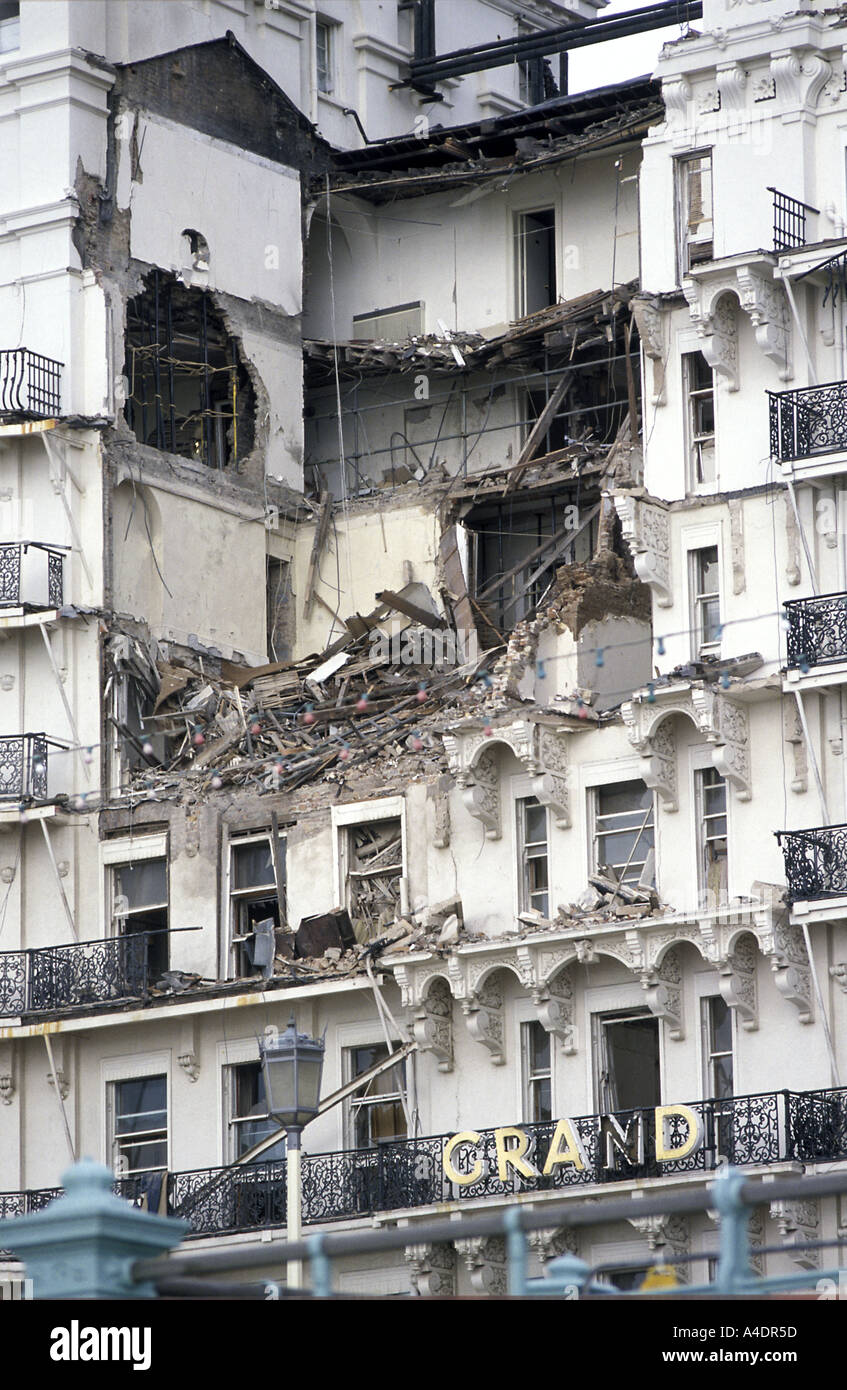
(321, 1268)
(84, 1244)
(733, 1269)
(515, 1252)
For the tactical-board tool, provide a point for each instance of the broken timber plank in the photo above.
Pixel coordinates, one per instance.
(537, 432)
(317, 548)
(410, 610)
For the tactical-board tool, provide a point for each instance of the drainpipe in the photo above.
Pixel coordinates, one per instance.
(52, 1065)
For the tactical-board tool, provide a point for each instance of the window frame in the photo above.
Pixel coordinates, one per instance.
(358, 1101)
(232, 1122)
(133, 1068)
(125, 852)
(623, 1014)
(698, 600)
(530, 1078)
(525, 892)
(328, 69)
(695, 440)
(702, 770)
(519, 216)
(682, 162)
(235, 896)
(709, 1053)
(358, 813)
(594, 815)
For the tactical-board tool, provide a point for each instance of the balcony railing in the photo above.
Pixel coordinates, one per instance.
(64, 977)
(756, 1130)
(789, 221)
(31, 575)
(817, 630)
(815, 862)
(808, 422)
(23, 767)
(30, 385)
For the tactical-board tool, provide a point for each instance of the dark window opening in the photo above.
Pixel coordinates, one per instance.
(140, 1132)
(376, 1112)
(189, 392)
(249, 1119)
(628, 1062)
(535, 237)
(140, 904)
(253, 899)
(515, 550)
(278, 609)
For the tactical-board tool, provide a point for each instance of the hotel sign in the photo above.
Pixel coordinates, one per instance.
(513, 1145)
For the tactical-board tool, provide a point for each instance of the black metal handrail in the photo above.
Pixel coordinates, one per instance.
(815, 862)
(30, 385)
(789, 220)
(808, 421)
(23, 767)
(746, 1131)
(14, 590)
(68, 976)
(817, 630)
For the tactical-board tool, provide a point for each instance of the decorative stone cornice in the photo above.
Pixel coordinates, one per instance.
(485, 1257)
(473, 760)
(432, 1270)
(721, 720)
(712, 294)
(765, 303)
(646, 530)
(800, 76)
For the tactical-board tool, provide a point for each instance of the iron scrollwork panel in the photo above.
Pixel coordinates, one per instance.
(816, 1125)
(13, 975)
(815, 862)
(10, 575)
(817, 630)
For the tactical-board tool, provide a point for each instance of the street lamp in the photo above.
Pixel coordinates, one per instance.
(291, 1067)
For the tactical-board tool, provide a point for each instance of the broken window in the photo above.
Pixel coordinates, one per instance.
(627, 1060)
(556, 435)
(700, 394)
(710, 790)
(516, 547)
(694, 174)
(376, 1112)
(140, 904)
(278, 612)
(623, 829)
(532, 833)
(249, 1121)
(139, 1113)
(704, 580)
(188, 390)
(374, 868)
(535, 260)
(536, 1058)
(254, 903)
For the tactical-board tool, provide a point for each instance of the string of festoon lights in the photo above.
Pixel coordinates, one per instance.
(305, 716)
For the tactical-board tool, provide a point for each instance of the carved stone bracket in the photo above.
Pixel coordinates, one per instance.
(798, 1223)
(432, 1270)
(668, 1235)
(189, 1049)
(61, 1080)
(7, 1088)
(792, 732)
(550, 1244)
(441, 829)
(737, 982)
(555, 1003)
(542, 751)
(663, 988)
(646, 530)
(839, 974)
(652, 323)
(432, 1026)
(732, 87)
(723, 723)
(790, 965)
(799, 77)
(713, 310)
(485, 1257)
(484, 1013)
(765, 303)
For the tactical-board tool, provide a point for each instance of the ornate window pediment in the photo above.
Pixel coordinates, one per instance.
(723, 722)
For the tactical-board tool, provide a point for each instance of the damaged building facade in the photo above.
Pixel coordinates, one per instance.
(422, 571)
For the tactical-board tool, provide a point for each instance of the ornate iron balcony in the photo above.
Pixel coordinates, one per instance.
(817, 630)
(30, 385)
(815, 862)
(807, 422)
(806, 1126)
(31, 575)
(63, 977)
(23, 767)
(789, 220)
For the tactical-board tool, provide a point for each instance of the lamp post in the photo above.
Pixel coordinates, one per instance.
(291, 1066)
